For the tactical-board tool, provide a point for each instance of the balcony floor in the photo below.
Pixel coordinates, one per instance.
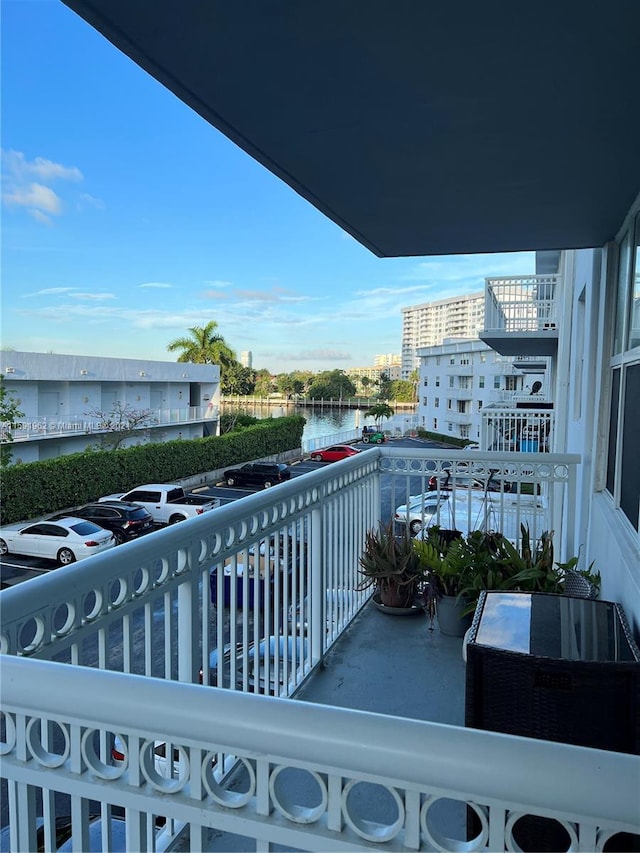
(393, 665)
(383, 664)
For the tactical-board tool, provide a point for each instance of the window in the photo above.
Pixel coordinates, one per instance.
(437, 381)
(483, 357)
(464, 361)
(452, 361)
(496, 382)
(451, 380)
(435, 423)
(634, 332)
(511, 383)
(479, 404)
(437, 359)
(450, 427)
(426, 382)
(623, 451)
(449, 404)
(480, 381)
(425, 401)
(436, 402)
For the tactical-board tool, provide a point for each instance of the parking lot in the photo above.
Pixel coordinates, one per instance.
(17, 568)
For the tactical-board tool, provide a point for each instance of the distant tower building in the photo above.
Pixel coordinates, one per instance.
(246, 358)
(429, 324)
(391, 359)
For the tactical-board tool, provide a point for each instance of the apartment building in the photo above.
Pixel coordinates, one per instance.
(428, 325)
(390, 359)
(67, 400)
(461, 383)
(373, 374)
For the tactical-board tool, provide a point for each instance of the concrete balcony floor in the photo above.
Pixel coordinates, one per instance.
(392, 665)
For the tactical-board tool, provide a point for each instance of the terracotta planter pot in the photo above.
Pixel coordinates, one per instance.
(392, 595)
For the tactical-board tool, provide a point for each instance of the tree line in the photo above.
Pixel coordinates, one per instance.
(205, 345)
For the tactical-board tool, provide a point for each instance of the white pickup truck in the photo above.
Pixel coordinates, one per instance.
(167, 502)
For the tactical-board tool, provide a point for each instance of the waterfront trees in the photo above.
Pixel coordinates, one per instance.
(332, 385)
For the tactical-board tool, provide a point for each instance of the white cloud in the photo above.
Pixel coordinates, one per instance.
(16, 165)
(217, 283)
(36, 197)
(50, 291)
(39, 216)
(95, 297)
(27, 185)
(85, 200)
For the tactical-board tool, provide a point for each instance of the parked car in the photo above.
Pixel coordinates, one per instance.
(467, 511)
(420, 510)
(168, 503)
(65, 540)
(263, 474)
(334, 453)
(447, 483)
(124, 519)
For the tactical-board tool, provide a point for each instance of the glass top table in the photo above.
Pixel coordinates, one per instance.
(554, 626)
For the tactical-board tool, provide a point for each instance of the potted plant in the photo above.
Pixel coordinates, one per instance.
(390, 564)
(446, 558)
(498, 564)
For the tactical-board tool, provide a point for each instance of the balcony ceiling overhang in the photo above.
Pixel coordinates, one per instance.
(420, 128)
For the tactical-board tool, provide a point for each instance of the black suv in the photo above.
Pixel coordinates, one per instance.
(124, 519)
(264, 474)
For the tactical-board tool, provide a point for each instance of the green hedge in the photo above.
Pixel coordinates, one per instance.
(38, 488)
(445, 439)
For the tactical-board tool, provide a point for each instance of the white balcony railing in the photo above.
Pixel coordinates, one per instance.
(28, 429)
(525, 430)
(118, 643)
(521, 304)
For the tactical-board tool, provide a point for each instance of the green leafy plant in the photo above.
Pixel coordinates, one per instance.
(390, 564)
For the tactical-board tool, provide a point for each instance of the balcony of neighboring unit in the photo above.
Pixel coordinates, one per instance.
(39, 427)
(460, 393)
(521, 398)
(517, 430)
(531, 364)
(521, 315)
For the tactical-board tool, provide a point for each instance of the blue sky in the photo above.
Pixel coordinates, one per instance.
(126, 219)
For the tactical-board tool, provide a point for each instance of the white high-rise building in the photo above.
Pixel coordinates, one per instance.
(246, 358)
(428, 324)
(390, 359)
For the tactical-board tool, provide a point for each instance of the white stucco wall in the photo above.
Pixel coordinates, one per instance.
(62, 393)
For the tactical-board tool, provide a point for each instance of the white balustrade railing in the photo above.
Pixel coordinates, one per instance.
(521, 304)
(344, 437)
(508, 429)
(249, 598)
(83, 424)
(310, 777)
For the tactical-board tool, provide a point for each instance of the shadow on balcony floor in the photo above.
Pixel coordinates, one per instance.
(393, 665)
(387, 665)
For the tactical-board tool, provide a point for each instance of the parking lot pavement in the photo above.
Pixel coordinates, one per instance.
(14, 570)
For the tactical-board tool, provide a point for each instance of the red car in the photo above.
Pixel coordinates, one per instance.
(334, 453)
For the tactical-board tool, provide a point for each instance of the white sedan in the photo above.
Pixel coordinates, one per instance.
(420, 510)
(64, 540)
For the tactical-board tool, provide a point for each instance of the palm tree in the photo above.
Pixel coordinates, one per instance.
(204, 346)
